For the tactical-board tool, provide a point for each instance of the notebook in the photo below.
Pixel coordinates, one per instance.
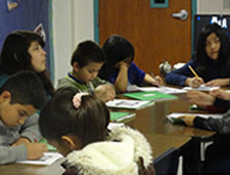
(128, 104)
(47, 159)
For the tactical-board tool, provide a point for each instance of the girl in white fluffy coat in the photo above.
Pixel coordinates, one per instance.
(77, 127)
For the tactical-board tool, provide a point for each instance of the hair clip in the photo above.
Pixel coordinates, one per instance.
(77, 99)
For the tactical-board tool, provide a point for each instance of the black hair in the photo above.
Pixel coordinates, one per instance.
(86, 52)
(117, 49)
(201, 55)
(15, 56)
(60, 117)
(25, 88)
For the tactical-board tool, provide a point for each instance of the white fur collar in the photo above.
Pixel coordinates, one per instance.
(117, 155)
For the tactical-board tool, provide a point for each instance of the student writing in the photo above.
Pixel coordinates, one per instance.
(79, 132)
(211, 61)
(20, 96)
(86, 62)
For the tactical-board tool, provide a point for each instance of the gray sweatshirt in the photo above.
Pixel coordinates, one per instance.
(8, 136)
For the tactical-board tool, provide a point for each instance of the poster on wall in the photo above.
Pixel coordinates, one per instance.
(33, 15)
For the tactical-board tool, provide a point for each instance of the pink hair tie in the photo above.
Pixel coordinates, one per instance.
(77, 99)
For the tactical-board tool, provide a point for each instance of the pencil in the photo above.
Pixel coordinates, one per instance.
(194, 73)
(154, 77)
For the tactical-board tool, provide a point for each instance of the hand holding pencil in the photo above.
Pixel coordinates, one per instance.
(154, 80)
(195, 81)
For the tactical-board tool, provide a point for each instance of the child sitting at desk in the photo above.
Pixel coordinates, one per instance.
(86, 61)
(211, 62)
(120, 68)
(20, 96)
(79, 132)
(217, 155)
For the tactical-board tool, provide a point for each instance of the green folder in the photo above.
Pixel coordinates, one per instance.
(121, 116)
(153, 95)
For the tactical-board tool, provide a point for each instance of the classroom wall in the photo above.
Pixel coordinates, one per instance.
(213, 6)
(73, 23)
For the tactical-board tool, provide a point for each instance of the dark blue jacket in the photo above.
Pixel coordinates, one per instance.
(214, 71)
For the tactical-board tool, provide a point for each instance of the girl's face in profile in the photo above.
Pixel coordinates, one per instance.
(212, 47)
(38, 56)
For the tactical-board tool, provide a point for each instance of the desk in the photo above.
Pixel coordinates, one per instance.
(22, 169)
(151, 121)
(162, 143)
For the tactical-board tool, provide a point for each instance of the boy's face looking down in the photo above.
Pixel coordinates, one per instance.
(87, 73)
(13, 115)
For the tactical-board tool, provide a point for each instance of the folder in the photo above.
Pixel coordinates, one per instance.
(152, 95)
(121, 116)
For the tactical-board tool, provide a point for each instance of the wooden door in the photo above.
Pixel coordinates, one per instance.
(154, 33)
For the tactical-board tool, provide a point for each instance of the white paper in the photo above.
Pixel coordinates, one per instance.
(176, 115)
(202, 88)
(162, 89)
(128, 104)
(47, 159)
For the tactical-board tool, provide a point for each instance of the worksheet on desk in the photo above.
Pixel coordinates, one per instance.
(162, 89)
(202, 88)
(47, 159)
(128, 104)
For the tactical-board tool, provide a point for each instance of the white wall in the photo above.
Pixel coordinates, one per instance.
(72, 23)
(213, 7)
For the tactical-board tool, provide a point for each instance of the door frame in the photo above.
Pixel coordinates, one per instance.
(96, 20)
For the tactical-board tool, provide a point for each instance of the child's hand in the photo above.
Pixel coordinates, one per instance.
(194, 82)
(35, 150)
(218, 82)
(105, 92)
(188, 119)
(200, 98)
(220, 94)
(158, 81)
(121, 65)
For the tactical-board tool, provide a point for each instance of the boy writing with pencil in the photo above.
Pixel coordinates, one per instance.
(20, 96)
(86, 61)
